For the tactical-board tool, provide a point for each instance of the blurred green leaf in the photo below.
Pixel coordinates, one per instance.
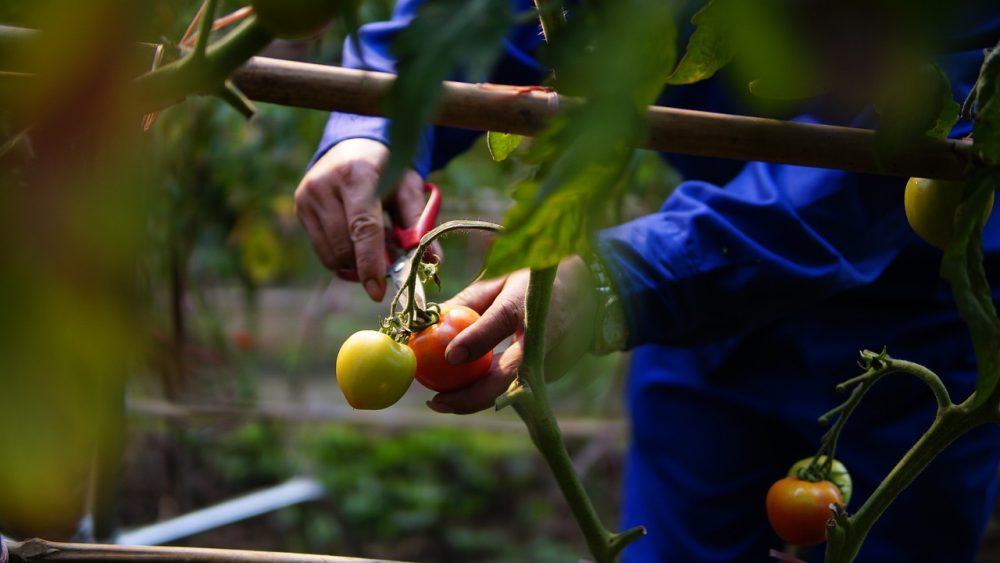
(446, 35)
(616, 56)
(962, 267)
(710, 47)
(501, 145)
(919, 105)
(962, 264)
(986, 129)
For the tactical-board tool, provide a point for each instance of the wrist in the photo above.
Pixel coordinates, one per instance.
(610, 331)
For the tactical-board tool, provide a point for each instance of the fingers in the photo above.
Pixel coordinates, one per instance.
(482, 394)
(337, 203)
(503, 317)
(331, 218)
(317, 237)
(479, 295)
(408, 200)
(363, 215)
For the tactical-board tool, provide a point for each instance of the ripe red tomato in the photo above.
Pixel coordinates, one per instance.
(244, 340)
(433, 371)
(799, 510)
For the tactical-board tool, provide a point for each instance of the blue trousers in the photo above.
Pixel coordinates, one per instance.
(704, 453)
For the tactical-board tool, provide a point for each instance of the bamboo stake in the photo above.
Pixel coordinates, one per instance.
(41, 550)
(514, 109)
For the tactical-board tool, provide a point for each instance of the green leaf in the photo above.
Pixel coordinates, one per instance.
(962, 264)
(962, 267)
(920, 105)
(604, 55)
(501, 145)
(445, 35)
(710, 47)
(986, 128)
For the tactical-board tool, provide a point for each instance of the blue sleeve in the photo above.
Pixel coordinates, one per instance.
(716, 262)
(371, 51)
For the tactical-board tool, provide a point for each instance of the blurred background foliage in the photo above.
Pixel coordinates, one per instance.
(234, 317)
(234, 311)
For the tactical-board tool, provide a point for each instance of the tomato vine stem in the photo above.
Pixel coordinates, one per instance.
(411, 310)
(951, 421)
(529, 397)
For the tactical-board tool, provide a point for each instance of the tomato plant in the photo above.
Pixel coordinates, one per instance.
(433, 371)
(294, 19)
(373, 370)
(931, 206)
(799, 510)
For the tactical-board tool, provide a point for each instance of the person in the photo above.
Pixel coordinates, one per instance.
(746, 298)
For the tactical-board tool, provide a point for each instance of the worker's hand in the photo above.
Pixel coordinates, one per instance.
(568, 332)
(336, 203)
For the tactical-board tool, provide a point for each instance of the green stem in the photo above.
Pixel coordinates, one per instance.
(410, 284)
(205, 75)
(951, 421)
(551, 17)
(879, 365)
(529, 397)
(205, 29)
(845, 539)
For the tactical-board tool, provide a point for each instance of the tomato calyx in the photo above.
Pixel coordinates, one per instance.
(820, 468)
(400, 326)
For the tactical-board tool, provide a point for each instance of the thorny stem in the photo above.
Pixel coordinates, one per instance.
(205, 28)
(550, 16)
(192, 75)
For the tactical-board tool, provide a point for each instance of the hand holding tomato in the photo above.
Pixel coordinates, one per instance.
(568, 332)
(429, 345)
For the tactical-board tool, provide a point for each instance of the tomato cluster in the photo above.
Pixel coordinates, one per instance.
(800, 509)
(374, 371)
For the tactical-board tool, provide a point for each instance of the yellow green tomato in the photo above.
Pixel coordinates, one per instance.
(373, 370)
(294, 19)
(931, 206)
(839, 475)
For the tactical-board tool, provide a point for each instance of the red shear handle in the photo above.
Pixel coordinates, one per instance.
(409, 238)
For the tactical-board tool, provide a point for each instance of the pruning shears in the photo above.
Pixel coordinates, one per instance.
(401, 244)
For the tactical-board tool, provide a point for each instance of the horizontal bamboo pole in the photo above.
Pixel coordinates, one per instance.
(41, 550)
(511, 109)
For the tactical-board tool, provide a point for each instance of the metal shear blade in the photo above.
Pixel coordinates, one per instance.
(399, 272)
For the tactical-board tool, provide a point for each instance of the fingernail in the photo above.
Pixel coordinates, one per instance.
(439, 407)
(456, 355)
(371, 286)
